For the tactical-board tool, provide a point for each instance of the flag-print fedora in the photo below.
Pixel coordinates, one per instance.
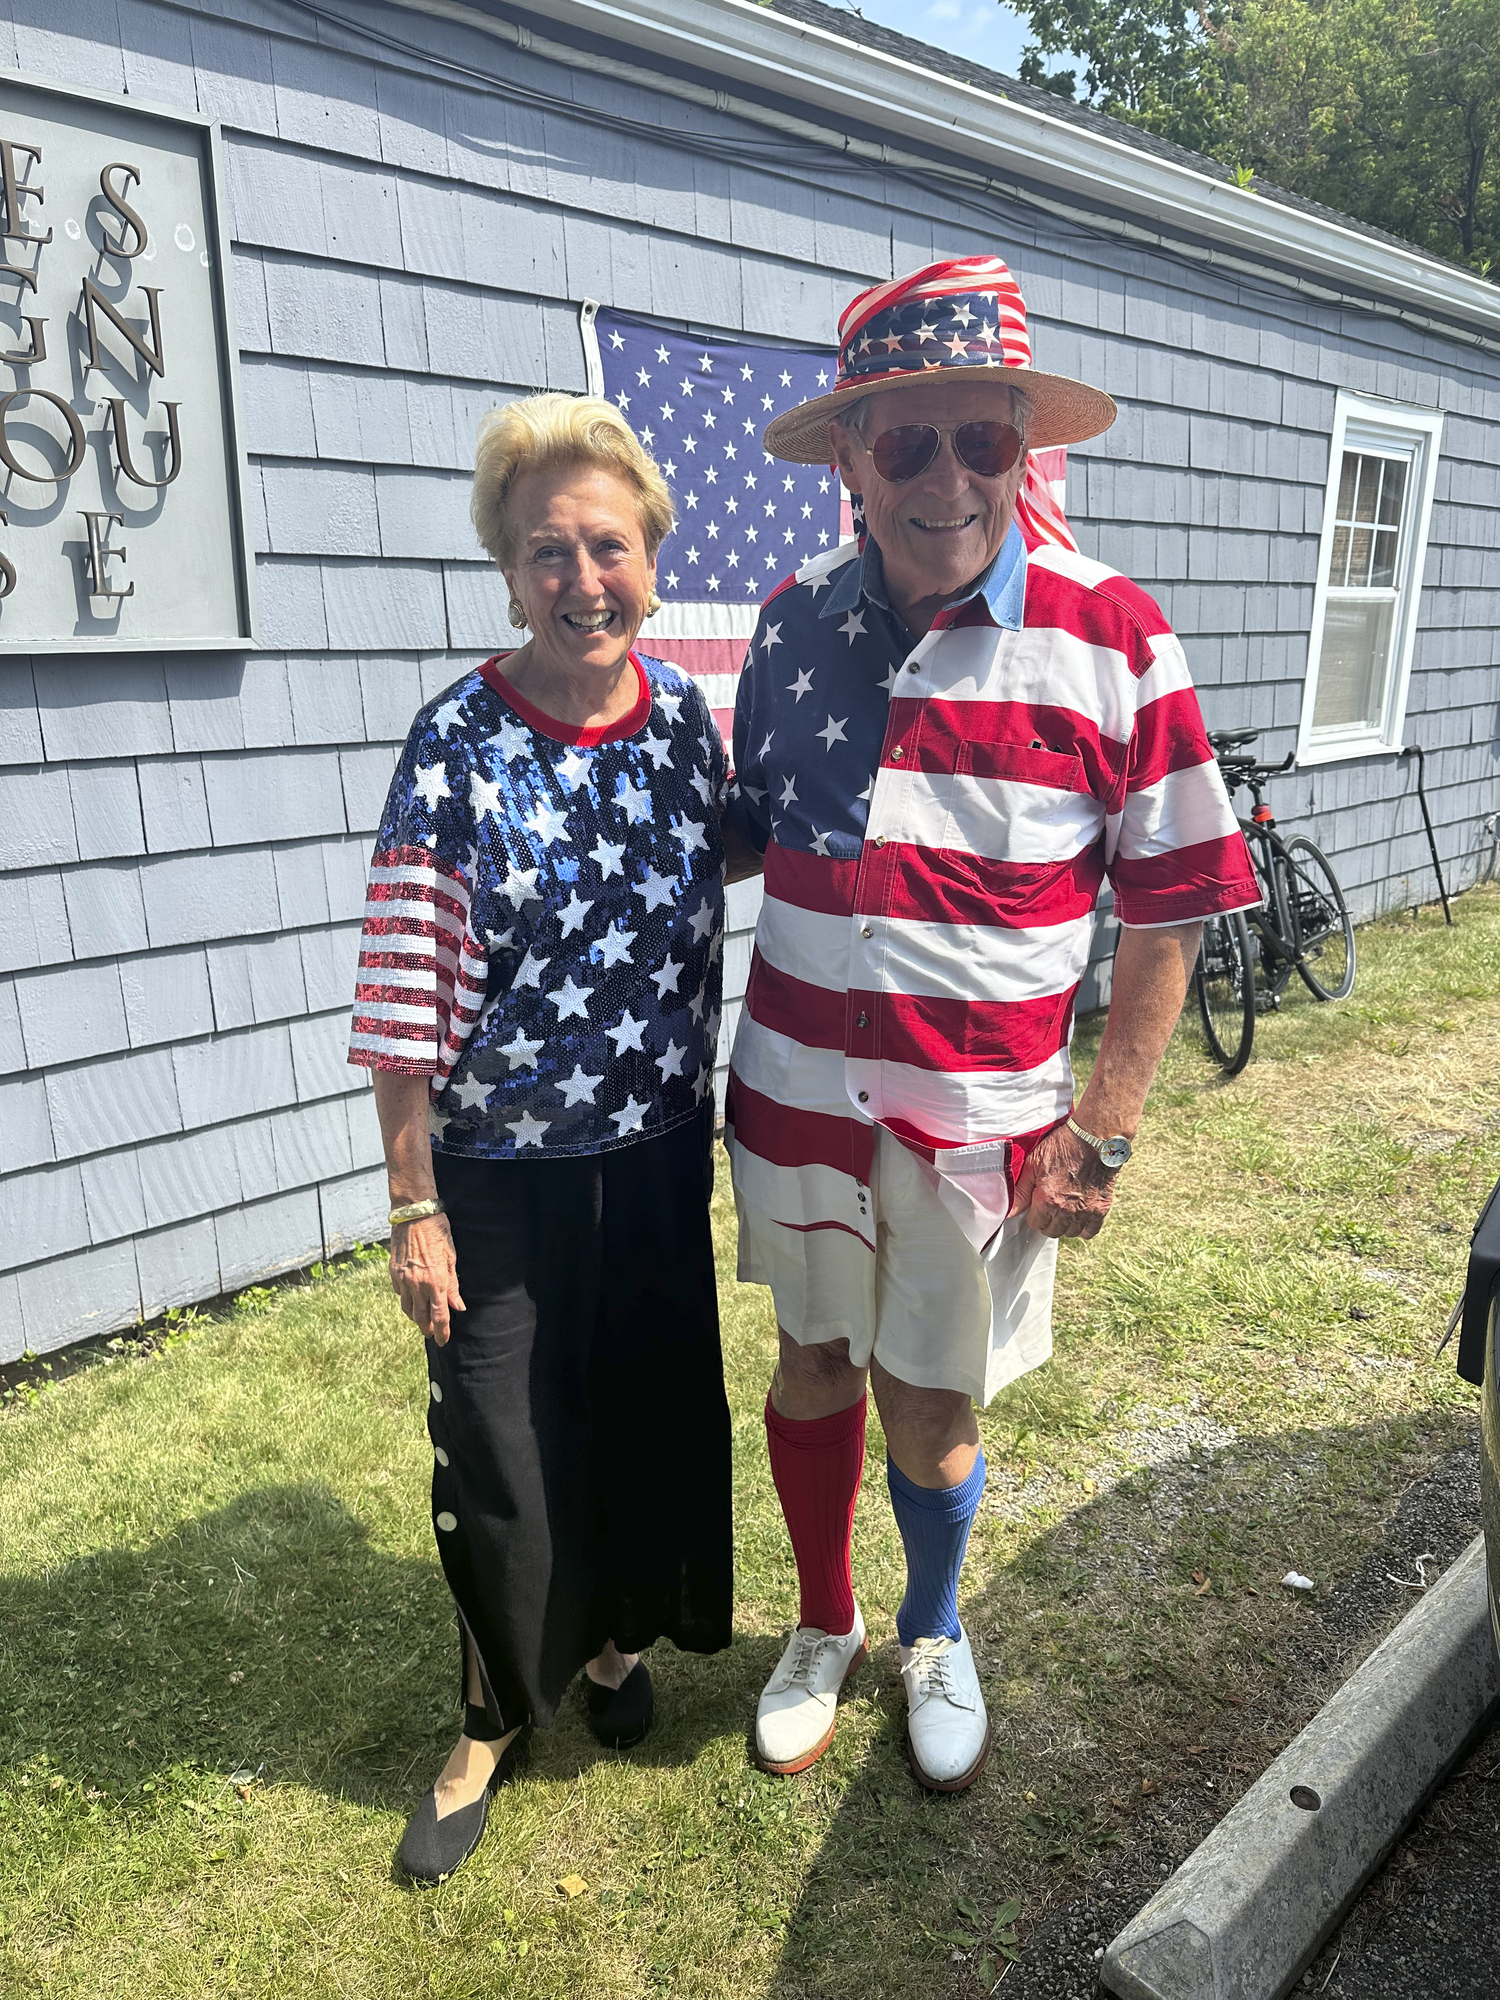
(957, 321)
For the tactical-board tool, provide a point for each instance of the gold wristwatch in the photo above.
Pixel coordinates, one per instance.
(417, 1211)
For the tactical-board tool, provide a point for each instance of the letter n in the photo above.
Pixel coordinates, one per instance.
(94, 301)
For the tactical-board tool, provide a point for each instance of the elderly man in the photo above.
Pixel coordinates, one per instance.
(945, 739)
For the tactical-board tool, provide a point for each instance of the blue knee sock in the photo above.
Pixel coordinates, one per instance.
(934, 1524)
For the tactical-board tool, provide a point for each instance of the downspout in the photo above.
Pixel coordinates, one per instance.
(1416, 750)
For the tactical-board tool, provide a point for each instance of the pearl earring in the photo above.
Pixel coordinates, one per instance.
(653, 605)
(516, 615)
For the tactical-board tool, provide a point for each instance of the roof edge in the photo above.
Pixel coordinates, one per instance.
(746, 42)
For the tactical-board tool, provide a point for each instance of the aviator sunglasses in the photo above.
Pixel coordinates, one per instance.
(989, 449)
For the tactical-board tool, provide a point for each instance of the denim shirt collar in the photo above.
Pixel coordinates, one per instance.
(1002, 585)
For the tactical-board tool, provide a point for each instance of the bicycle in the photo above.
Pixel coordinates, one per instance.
(1248, 957)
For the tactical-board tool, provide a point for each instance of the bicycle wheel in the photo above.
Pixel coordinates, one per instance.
(1323, 935)
(1225, 981)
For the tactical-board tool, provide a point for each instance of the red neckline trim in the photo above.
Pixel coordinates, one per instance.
(562, 732)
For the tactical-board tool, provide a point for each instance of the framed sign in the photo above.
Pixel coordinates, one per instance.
(122, 516)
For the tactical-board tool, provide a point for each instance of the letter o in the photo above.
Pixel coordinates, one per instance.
(75, 428)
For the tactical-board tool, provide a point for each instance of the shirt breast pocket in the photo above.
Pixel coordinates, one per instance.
(1010, 801)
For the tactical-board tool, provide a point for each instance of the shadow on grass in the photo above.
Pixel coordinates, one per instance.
(274, 1632)
(1103, 1659)
(273, 1636)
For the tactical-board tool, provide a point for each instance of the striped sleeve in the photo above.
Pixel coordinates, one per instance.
(1174, 849)
(421, 980)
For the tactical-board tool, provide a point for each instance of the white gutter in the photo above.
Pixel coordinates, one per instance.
(745, 42)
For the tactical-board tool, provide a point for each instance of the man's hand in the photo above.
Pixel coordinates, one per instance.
(424, 1274)
(1064, 1189)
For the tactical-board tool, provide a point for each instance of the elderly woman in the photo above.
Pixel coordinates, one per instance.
(539, 998)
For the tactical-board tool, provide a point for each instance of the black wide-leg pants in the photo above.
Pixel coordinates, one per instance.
(580, 1430)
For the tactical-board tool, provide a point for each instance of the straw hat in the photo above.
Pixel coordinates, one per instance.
(957, 321)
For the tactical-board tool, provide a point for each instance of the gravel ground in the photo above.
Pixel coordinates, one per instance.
(1428, 1925)
(1390, 1928)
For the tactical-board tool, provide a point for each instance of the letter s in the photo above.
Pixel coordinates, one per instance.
(123, 209)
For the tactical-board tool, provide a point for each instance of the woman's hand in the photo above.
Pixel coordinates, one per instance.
(424, 1265)
(424, 1274)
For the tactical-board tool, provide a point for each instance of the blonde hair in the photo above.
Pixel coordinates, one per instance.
(541, 433)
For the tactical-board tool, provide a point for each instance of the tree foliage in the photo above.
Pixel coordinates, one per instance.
(1383, 109)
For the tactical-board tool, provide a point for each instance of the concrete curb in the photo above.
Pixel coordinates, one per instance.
(1247, 1910)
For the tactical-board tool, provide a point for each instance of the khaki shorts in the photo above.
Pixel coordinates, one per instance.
(925, 1304)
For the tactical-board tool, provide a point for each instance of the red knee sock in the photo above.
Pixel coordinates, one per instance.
(817, 1466)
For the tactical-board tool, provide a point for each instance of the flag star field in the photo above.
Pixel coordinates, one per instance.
(745, 519)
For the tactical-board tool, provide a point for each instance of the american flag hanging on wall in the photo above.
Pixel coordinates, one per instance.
(745, 519)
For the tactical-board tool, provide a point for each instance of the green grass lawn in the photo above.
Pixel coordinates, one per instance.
(215, 1558)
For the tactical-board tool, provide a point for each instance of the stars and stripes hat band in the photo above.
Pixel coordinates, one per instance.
(962, 318)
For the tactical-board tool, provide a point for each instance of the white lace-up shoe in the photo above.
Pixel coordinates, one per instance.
(795, 1719)
(947, 1728)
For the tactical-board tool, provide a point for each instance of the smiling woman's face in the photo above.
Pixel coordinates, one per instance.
(579, 565)
(939, 531)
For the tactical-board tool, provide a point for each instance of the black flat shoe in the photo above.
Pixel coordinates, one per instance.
(432, 1848)
(621, 1716)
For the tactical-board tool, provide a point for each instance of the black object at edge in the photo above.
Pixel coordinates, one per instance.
(1416, 750)
(1480, 1287)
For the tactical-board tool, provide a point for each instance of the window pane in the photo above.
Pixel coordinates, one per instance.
(1369, 483)
(1339, 561)
(1348, 480)
(1352, 668)
(1360, 548)
(1393, 492)
(1383, 575)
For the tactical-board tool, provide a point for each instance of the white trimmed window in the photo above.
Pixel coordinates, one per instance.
(1380, 484)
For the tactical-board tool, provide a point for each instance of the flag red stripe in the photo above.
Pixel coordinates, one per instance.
(788, 1137)
(965, 1035)
(1192, 880)
(814, 1016)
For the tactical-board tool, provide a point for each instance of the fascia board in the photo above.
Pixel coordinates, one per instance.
(740, 41)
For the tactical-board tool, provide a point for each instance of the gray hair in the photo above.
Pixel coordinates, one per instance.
(854, 416)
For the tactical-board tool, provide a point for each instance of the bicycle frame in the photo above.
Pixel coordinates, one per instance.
(1272, 923)
(1302, 912)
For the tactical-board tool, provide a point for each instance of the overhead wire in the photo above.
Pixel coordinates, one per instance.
(845, 153)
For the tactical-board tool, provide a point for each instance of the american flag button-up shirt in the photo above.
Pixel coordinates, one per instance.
(938, 818)
(544, 927)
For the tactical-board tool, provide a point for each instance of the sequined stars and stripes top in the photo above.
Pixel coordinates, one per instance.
(544, 929)
(938, 818)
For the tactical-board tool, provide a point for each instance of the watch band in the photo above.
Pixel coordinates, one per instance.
(417, 1211)
(1113, 1152)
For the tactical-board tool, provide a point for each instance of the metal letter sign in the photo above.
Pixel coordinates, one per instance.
(122, 519)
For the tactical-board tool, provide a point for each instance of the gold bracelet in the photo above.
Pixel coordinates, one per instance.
(416, 1211)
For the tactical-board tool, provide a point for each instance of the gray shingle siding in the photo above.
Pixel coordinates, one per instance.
(188, 834)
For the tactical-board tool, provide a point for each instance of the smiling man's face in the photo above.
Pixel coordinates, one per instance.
(941, 530)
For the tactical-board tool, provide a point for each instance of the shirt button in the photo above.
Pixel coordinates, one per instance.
(864, 1097)
(862, 1021)
(865, 931)
(880, 840)
(911, 666)
(897, 754)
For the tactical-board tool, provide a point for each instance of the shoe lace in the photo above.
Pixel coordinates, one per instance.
(930, 1664)
(805, 1661)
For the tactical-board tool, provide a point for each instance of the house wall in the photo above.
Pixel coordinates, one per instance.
(188, 835)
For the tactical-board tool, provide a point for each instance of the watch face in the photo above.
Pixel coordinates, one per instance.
(1114, 1153)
